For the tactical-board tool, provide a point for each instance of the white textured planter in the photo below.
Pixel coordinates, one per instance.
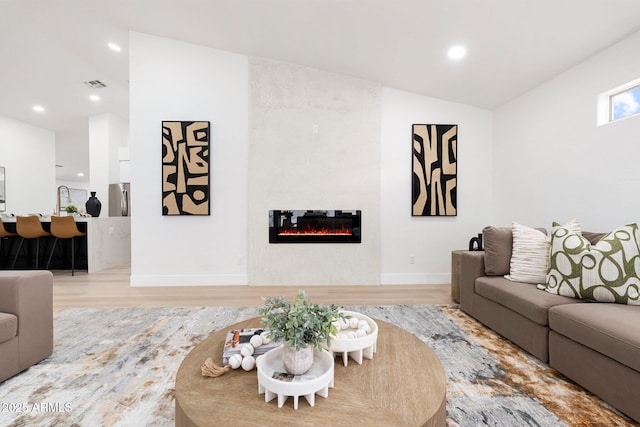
(297, 362)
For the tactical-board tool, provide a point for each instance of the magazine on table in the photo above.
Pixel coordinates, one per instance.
(290, 378)
(236, 338)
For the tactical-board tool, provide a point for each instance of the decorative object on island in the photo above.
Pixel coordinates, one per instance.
(434, 184)
(301, 326)
(356, 338)
(93, 205)
(71, 209)
(185, 168)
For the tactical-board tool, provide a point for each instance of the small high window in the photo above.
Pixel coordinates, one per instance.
(625, 104)
(620, 102)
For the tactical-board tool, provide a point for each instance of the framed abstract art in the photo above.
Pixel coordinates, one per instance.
(185, 168)
(434, 161)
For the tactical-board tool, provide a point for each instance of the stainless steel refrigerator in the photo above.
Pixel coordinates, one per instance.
(119, 199)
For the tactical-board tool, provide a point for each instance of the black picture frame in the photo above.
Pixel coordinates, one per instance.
(434, 183)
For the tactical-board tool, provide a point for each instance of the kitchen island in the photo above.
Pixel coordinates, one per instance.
(107, 244)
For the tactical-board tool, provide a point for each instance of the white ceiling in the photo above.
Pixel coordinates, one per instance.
(48, 48)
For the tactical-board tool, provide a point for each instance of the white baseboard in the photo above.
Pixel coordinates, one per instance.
(242, 279)
(189, 280)
(415, 279)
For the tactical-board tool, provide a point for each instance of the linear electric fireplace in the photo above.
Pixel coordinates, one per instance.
(314, 226)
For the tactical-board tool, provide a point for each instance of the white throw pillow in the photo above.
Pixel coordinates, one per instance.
(530, 254)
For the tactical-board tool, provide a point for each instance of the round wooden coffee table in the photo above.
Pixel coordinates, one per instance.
(403, 385)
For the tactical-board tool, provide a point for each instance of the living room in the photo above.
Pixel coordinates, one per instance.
(291, 136)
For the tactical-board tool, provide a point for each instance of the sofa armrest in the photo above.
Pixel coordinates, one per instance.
(471, 267)
(29, 296)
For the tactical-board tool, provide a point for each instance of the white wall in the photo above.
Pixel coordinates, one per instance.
(314, 144)
(171, 80)
(552, 163)
(430, 240)
(118, 142)
(266, 155)
(28, 155)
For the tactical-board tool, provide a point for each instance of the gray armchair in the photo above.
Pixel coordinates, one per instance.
(26, 320)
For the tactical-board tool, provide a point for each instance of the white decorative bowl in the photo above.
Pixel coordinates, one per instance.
(274, 382)
(359, 347)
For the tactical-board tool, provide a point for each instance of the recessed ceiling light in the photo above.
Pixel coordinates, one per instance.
(38, 108)
(94, 97)
(457, 52)
(80, 174)
(114, 46)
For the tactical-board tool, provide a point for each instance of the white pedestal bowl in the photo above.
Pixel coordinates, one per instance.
(316, 380)
(358, 347)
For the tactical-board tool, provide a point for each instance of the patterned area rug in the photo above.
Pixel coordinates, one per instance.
(117, 367)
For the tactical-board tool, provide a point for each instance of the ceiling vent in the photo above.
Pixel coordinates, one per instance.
(95, 84)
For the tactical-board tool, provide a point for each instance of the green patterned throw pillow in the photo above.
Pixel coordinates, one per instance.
(605, 272)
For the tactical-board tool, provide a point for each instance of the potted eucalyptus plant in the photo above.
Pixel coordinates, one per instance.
(300, 326)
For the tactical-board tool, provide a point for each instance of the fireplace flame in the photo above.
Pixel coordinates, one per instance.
(313, 231)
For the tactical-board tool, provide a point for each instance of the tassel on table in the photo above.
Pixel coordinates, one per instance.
(210, 369)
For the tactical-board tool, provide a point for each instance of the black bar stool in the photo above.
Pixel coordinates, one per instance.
(4, 234)
(30, 228)
(65, 227)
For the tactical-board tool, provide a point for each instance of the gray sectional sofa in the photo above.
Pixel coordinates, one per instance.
(597, 345)
(26, 320)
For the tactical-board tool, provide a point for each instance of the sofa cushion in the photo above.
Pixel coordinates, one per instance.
(522, 298)
(497, 250)
(592, 237)
(610, 329)
(530, 256)
(8, 327)
(608, 271)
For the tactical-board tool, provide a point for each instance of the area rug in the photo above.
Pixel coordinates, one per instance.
(117, 367)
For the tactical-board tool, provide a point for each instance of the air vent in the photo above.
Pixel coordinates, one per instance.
(95, 84)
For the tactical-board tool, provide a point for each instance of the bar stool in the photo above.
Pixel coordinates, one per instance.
(5, 234)
(65, 227)
(29, 227)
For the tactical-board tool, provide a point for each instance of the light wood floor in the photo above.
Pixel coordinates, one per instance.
(110, 288)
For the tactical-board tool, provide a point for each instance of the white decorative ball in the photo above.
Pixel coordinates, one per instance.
(246, 350)
(248, 363)
(344, 324)
(342, 335)
(366, 328)
(351, 335)
(336, 323)
(362, 323)
(256, 341)
(235, 360)
(361, 333)
(266, 339)
(353, 323)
